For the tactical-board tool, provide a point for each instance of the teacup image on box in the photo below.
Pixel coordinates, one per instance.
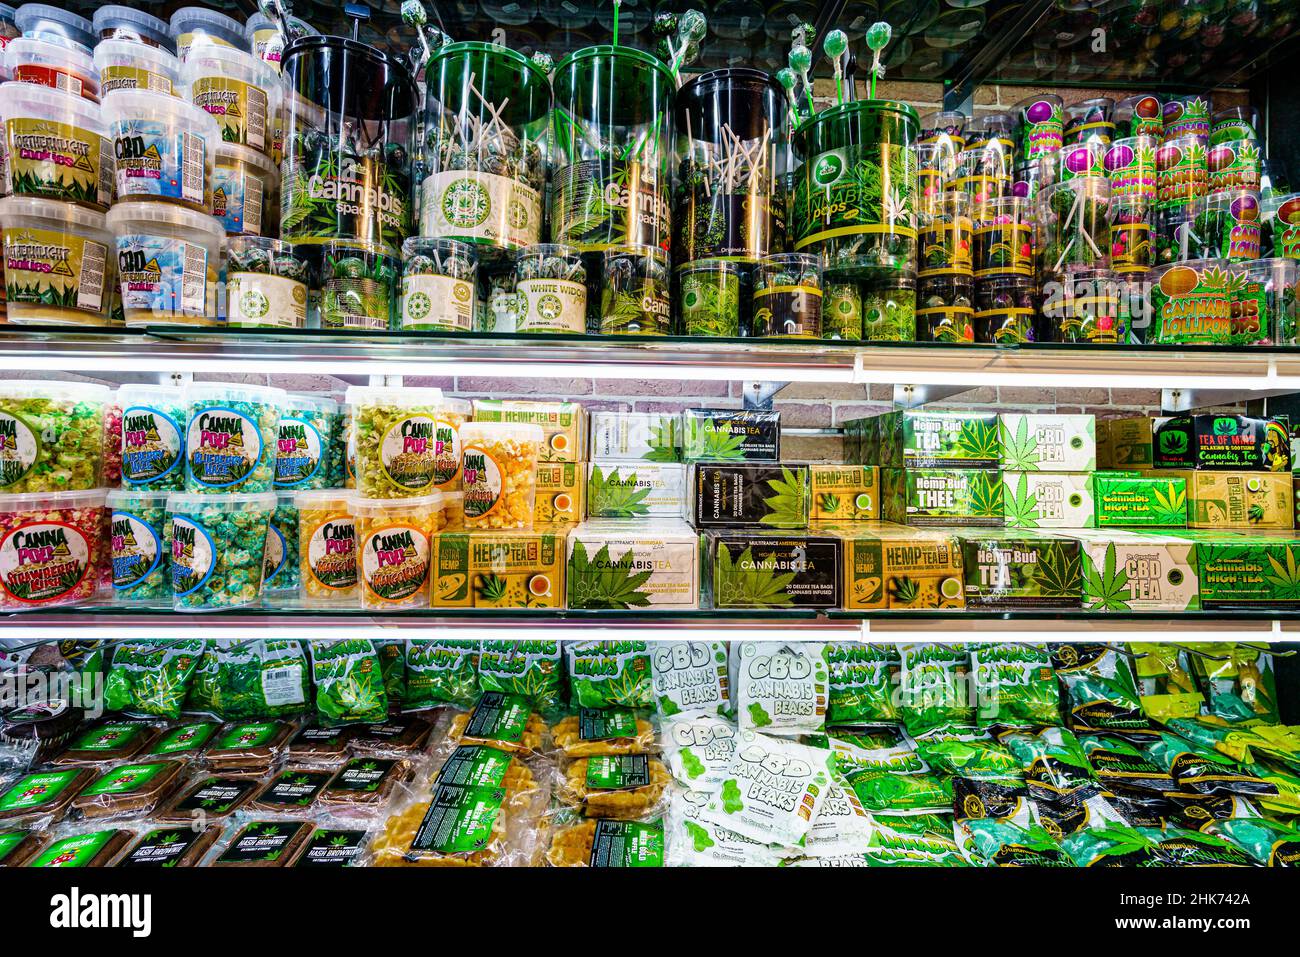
(1130, 571)
(844, 493)
(498, 569)
(1047, 443)
(635, 489)
(1238, 499)
(952, 497)
(634, 565)
(636, 436)
(1008, 570)
(561, 493)
(1048, 500)
(894, 566)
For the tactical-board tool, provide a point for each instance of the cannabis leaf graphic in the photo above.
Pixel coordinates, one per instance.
(740, 585)
(1058, 573)
(603, 583)
(712, 444)
(1108, 591)
(1285, 578)
(788, 508)
(1019, 450)
(986, 495)
(1170, 509)
(1022, 508)
(978, 439)
(615, 497)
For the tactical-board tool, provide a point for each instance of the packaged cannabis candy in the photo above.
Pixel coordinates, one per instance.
(933, 687)
(327, 547)
(439, 279)
(529, 668)
(1271, 843)
(709, 296)
(635, 292)
(153, 436)
(862, 681)
(51, 435)
(607, 843)
(1052, 761)
(699, 748)
(690, 676)
(231, 433)
(1238, 681)
(788, 297)
(309, 442)
(596, 731)
(1100, 688)
(694, 841)
(255, 677)
(52, 548)
(395, 540)
(773, 790)
(623, 786)
(609, 673)
(1015, 685)
(998, 843)
(152, 677)
(1169, 692)
(349, 681)
(782, 688)
(440, 672)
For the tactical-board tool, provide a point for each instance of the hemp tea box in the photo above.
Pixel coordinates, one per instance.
(1048, 443)
(635, 489)
(1048, 500)
(634, 565)
(844, 493)
(730, 435)
(727, 495)
(636, 436)
(1132, 499)
(1128, 571)
(894, 566)
(499, 569)
(970, 497)
(1240, 571)
(917, 439)
(757, 570)
(1239, 499)
(1021, 570)
(561, 496)
(1127, 443)
(1227, 442)
(564, 424)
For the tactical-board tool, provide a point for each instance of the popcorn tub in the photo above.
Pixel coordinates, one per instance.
(141, 565)
(51, 436)
(394, 549)
(218, 544)
(51, 548)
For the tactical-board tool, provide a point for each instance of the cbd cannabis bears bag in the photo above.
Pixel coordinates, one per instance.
(609, 673)
(690, 676)
(152, 677)
(349, 682)
(782, 688)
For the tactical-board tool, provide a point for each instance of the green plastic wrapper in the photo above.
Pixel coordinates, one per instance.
(863, 679)
(1052, 761)
(1112, 846)
(900, 843)
(604, 674)
(392, 664)
(1238, 682)
(1178, 847)
(1100, 689)
(349, 682)
(440, 672)
(1271, 843)
(997, 843)
(972, 754)
(529, 668)
(1120, 765)
(152, 677)
(1015, 685)
(251, 678)
(934, 688)
(1196, 770)
(1166, 685)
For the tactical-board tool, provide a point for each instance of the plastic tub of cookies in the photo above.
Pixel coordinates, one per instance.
(59, 263)
(75, 165)
(52, 63)
(128, 65)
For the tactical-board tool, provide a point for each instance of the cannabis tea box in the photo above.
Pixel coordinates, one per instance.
(1128, 571)
(1048, 499)
(894, 566)
(634, 565)
(970, 497)
(636, 436)
(774, 571)
(1239, 500)
(564, 424)
(1240, 572)
(1222, 442)
(1127, 443)
(1010, 570)
(730, 435)
(498, 570)
(918, 439)
(1048, 443)
(727, 495)
(1129, 499)
(561, 493)
(844, 493)
(635, 489)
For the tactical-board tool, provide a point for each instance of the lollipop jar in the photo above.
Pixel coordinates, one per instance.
(266, 284)
(708, 297)
(788, 297)
(889, 308)
(439, 280)
(634, 298)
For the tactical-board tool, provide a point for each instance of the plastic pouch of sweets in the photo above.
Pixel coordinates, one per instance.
(440, 672)
(782, 688)
(609, 673)
(598, 731)
(529, 668)
(255, 677)
(933, 687)
(152, 677)
(1015, 685)
(349, 681)
(690, 676)
(1100, 690)
(863, 679)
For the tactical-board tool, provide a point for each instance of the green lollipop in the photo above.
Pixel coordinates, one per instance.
(836, 47)
(878, 37)
(785, 76)
(800, 60)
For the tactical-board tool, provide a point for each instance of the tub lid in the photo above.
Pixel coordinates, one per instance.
(230, 153)
(41, 19)
(433, 499)
(229, 62)
(49, 48)
(125, 23)
(132, 395)
(15, 209)
(156, 59)
(295, 401)
(184, 501)
(142, 211)
(316, 498)
(49, 389)
(191, 18)
(361, 395)
(47, 103)
(26, 501)
(313, 66)
(136, 497)
(153, 104)
(234, 392)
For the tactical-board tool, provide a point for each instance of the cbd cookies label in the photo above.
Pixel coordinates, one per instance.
(137, 550)
(19, 448)
(57, 161)
(122, 77)
(162, 276)
(407, 453)
(193, 556)
(151, 445)
(238, 107)
(395, 562)
(482, 482)
(54, 271)
(153, 160)
(237, 200)
(224, 447)
(332, 553)
(42, 561)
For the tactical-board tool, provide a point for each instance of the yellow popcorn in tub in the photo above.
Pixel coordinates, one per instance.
(499, 474)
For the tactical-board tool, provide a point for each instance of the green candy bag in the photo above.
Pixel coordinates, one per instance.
(251, 678)
(1271, 843)
(604, 674)
(1100, 689)
(1015, 685)
(933, 686)
(440, 672)
(529, 668)
(349, 682)
(152, 677)
(863, 678)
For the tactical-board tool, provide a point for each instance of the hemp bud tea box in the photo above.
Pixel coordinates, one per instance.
(1048, 500)
(564, 424)
(894, 566)
(1010, 570)
(1130, 571)
(726, 495)
(919, 439)
(561, 497)
(634, 565)
(635, 489)
(1048, 443)
(1222, 442)
(757, 570)
(636, 436)
(1145, 501)
(844, 493)
(1239, 500)
(730, 435)
(969, 497)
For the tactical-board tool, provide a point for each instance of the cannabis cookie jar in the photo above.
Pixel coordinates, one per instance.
(613, 128)
(57, 146)
(245, 191)
(855, 187)
(193, 27)
(164, 148)
(168, 260)
(59, 263)
(134, 26)
(236, 89)
(53, 64)
(129, 65)
(484, 173)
